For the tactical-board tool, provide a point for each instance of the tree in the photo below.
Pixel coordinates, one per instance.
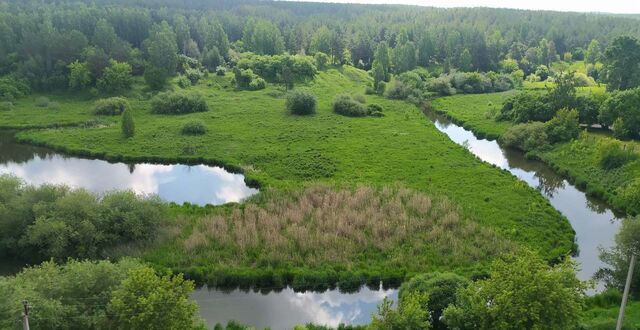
(145, 300)
(116, 78)
(622, 63)
(97, 60)
(465, 62)
(426, 49)
(211, 58)
(382, 59)
(105, 36)
(627, 243)
(263, 38)
(441, 289)
(411, 314)
(593, 52)
(162, 49)
(79, 75)
(127, 125)
(155, 78)
(518, 295)
(564, 126)
(623, 107)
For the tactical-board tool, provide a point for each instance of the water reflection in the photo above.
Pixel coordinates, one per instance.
(283, 310)
(594, 223)
(198, 184)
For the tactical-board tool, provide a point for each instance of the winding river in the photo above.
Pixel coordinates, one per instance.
(593, 222)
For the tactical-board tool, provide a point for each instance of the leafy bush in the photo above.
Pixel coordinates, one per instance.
(116, 78)
(380, 89)
(221, 71)
(42, 102)
(345, 105)
(128, 126)
(12, 88)
(321, 60)
(112, 106)
(613, 154)
(279, 68)
(622, 111)
(177, 103)
(155, 77)
(59, 222)
(582, 80)
(300, 102)
(527, 137)
(525, 107)
(183, 82)
(6, 106)
(257, 84)
(375, 110)
(246, 79)
(564, 126)
(369, 90)
(194, 127)
(194, 75)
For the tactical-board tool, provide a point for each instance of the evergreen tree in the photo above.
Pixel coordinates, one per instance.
(127, 124)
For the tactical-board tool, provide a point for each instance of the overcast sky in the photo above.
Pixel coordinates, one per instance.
(608, 6)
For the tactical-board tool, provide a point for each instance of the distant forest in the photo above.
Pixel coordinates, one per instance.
(39, 39)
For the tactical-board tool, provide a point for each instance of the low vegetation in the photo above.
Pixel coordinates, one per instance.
(346, 105)
(301, 102)
(113, 106)
(320, 236)
(177, 103)
(194, 127)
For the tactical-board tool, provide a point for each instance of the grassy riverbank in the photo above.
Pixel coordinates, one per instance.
(577, 160)
(250, 131)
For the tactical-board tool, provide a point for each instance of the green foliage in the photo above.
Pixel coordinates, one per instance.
(183, 82)
(622, 111)
(59, 222)
(145, 300)
(527, 137)
(12, 88)
(194, 75)
(622, 62)
(262, 37)
(375, 110)
(412, 314)
(194, 127)
(517, 295)
(112, 106)
(42, 102)
(116, 78)
(322, 60)
(617, 258)
(592, 56)
(127, 125)
(279, 68)
(564, 126)
(161, 48)
(79, 75)
(441, 289)
(345, 105)
(525, 107)
(211, 58)
(613, 154)
(300, 102)
(177, 103)
(64, 296)
(246, 79)
(156, 78)
(630, 196)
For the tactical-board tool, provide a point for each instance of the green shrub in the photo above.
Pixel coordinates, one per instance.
(246, 79)
(6, 106)
(112, 106)
(630, 196)
(127, 125)
(42, 102)
(322, 60)
(176, 103)
(369, 90)
(221, 71)
(257, 84)
(300, 102)
(54, 106)
(526, 137)
(194, 127)
(564, 126)
(380, 89)
(156, 78)
(278, 68)
(525, 107)
(12, 88)
(375, 110)
(194, 75)
(183, 82)
(613, 154)
(360, 98)
(345, 105)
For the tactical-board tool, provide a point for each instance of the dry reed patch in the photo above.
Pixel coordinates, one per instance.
(323, 225)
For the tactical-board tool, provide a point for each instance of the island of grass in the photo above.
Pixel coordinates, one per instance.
(250, 131)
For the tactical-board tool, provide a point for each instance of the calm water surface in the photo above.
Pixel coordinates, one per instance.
(594, 223)
(199, 184)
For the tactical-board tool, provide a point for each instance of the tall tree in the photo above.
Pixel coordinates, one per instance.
(593, 52)
(262, 37)
(162, 49)
(622, 63)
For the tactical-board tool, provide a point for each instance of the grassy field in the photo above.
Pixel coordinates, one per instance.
(250, 131)
(605, 318)
(576, 160)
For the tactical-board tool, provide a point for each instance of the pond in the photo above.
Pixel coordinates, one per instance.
(594, 223)
(197, 184)
(284, 309)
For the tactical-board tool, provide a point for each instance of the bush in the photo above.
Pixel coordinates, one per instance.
(380, 89)
(12, 88)
(116, 78)
(156, 78)
(322, 60)
(279, 68)
(112, 106)
(613, 154)
(6, 106)
(257, 84)
(128, 126)
(582, 80)
(300, 102)
(375, 110)
(194, 127)
(622, 111)
(345, 105)
(527, 137)
(246, 79)
(183, 82)
(176, 103)
(525, 107)
(221, 71)
(564, 126)
(194, 75)
(42, 102)
(54, 106)
(360, 98)
(369, 90)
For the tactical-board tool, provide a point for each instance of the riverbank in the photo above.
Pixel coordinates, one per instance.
(576, 160)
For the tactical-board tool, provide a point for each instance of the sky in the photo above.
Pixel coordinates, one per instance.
(610, 6)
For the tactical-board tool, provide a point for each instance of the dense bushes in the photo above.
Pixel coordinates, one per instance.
(42, 102)
(112, 106)
(622, 111)
(613, 154)
(97, 295)
(539, 136)
(345, 105)
(279, 68)
(38, 223)
(194, 127)
(525, 107)
(12, 88)
(563, 127)
(246, 79)
(176, 103)
(300, 102)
